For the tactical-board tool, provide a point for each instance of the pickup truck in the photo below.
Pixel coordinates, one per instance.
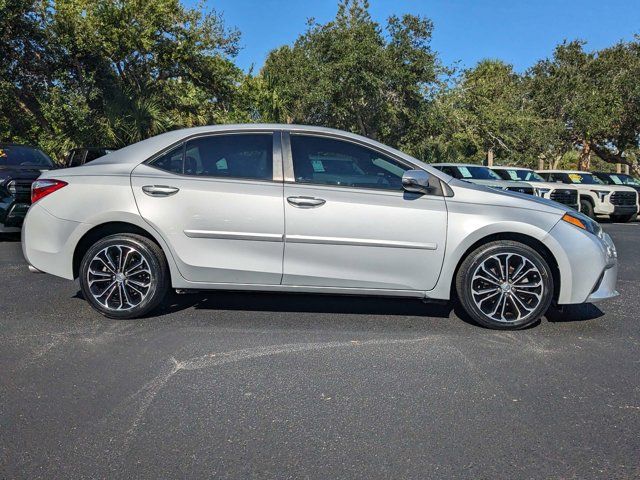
(618, 202)
(20, 165)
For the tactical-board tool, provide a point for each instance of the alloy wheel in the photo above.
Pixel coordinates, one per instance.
(507, 287)
(119, 277)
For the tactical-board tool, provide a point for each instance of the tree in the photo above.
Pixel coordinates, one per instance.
(350, 74)
(595, 96)
(487, 112)
(114, 72)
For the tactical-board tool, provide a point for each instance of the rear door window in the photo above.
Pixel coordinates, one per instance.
(241, 156)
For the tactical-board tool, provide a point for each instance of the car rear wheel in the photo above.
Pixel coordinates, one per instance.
(505, 285)
(124, 276)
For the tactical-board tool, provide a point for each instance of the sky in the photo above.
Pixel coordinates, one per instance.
(519, 32)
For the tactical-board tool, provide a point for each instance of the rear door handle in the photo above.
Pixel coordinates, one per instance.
(306, 202)
(160, 190)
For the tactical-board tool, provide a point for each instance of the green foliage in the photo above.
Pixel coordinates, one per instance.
(352, 75)
(113, 72)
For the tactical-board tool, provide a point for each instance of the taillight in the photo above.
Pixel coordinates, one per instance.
(42, 188)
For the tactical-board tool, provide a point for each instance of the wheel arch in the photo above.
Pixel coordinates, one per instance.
(523, 238)
(111, 228)
(588, 198)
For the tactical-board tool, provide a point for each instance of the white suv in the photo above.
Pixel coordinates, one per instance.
(567, 195)
(618, 202)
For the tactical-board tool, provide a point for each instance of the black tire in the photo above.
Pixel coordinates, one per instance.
(158, 278)
(622, 218)
(586, 207)
(521, 254)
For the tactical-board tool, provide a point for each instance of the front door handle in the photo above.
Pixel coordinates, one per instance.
(160, 190)
(306, 202)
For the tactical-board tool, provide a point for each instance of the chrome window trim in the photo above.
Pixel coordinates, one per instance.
(289, 176)
(276, 155)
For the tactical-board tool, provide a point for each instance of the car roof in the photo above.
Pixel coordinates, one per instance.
(140, 151)
(457, 165)
(563, 171)
(511, 168)
(9, 144)
(93, 148)
(610, 173)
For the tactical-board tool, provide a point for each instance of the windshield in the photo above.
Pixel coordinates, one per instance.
(584, 179)
(20, 156)
(623, 179)
(477, 173)
(520, 175)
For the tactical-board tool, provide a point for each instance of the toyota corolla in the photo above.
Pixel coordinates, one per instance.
(306, 209)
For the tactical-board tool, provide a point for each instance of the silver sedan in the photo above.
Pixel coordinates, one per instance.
(306, 209)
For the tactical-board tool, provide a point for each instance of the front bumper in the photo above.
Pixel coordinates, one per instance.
(12, 215)
(606, 286)
(609, 209)
(587, 264)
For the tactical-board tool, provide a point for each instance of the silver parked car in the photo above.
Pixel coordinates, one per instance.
(306, 209)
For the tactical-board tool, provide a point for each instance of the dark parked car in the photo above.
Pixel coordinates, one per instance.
(20, 165)
(80, 156)
(618, 179)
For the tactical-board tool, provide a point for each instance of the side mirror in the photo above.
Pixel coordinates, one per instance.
(416, 181)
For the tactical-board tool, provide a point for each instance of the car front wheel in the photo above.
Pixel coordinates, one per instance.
(505, 285)
(586, 207)
(124, 276)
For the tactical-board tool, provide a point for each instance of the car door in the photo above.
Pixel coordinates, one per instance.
(217, 201)
(349, 223)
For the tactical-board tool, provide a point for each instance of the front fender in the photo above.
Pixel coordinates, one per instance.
(466, 228)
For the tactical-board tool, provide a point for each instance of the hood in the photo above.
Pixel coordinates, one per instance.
(610, 188)
(500, 184)
(553, 185)
(467, 191)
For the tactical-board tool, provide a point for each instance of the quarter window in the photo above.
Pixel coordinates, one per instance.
(170, 161)
(327, 161)
(230, 156)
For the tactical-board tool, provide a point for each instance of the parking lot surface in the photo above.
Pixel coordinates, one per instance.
(244, 385)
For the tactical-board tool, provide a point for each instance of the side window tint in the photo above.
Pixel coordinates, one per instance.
(231, 156)
(170, 161)
(92, 155)
(327, 161)
(76, 158)
(451, 171)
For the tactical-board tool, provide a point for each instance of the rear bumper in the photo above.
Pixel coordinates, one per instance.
(48, 242)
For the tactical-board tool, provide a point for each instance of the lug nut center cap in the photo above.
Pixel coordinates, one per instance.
(120, 277)
(505, 287)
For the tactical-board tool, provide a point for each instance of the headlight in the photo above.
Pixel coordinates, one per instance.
(541, 192)
(585, 223)
(602, 194)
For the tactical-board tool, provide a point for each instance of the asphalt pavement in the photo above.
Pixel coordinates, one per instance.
(245, 385)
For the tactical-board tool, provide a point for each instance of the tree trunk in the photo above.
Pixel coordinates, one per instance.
(489, 160)
(609, 157)
(584, 160)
